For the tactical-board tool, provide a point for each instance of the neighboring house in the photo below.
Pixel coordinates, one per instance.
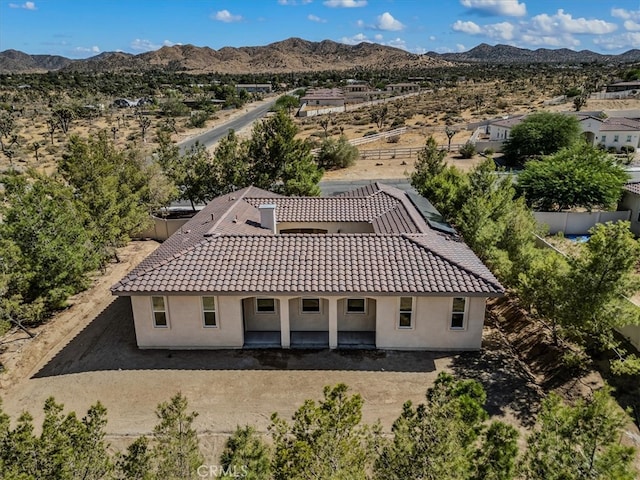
(610, 132)
(631, 201)
(255, 87)
(623, 86)
(372, 268)
(403, 88)
(323, 97)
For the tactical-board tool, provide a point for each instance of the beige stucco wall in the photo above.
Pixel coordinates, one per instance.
(430, 331)
(330, 227)
(632, 332)
(357, 322)
(185, 328)
(432, 317)
(260, 321)
(308, 322)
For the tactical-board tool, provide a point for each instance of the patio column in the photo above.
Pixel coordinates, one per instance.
(285, 332)
(333, 322)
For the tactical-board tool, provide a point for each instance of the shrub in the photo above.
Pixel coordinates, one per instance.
(336, 154)
(393, 139)
(627, 149)
(198, 119)
(489, 151)
(612, 149)
(468, 150)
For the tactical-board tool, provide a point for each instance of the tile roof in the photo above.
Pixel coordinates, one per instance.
(334, 263)
(223, 249)
(633, 187)
(620, 125)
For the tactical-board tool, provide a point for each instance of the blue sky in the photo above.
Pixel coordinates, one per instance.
(83, 28)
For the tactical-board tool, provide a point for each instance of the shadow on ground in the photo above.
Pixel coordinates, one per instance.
(510, 389)
(108, 343)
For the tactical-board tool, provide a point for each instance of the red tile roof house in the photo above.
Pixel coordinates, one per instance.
(360, 270)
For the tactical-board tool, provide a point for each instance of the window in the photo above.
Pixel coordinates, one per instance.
(458, 311)
(356, 305)
(310, 305)
(159, 312)
(406, 312)
(209, 311)
(628, 138)
(603, 139)
(265, 305)
(615, 138)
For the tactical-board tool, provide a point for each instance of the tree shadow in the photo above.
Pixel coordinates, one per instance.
(510, 389)
(108, 343)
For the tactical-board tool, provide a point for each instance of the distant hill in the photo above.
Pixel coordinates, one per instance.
(292, 55)
(295, 55)
(506, 54)
(13, 61)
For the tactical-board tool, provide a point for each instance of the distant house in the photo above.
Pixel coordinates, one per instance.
(399, 88)
(623, 86)
(323, 97)
(610, 132)
(255, 87)
(372, 268)
(124, 103)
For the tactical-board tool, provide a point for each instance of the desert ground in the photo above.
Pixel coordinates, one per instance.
(88, 353)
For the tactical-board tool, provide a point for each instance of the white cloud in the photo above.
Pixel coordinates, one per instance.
(25, 5)
(226, 16)
(378, 37)
(470, 28)
(387, 23)
(315, 18)
(562, 22)
(509, 8)
(360, 24)
(432, 38)
(94, 49)
(357, 38)
(618, 42)
(397, 43)
(460, 47)
(345, 3)
(499, 31)
(631, 26)
(556, 41)
(625, 14)
(294, 2)
(141, 45)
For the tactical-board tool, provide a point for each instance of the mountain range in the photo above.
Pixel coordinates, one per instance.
(294, 55)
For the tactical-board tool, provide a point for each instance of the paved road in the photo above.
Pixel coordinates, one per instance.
(212, 136)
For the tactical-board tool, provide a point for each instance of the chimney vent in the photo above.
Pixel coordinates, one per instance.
(268, 217)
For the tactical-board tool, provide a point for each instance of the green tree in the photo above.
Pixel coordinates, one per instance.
(495, 459)
(287, 102)
(67, 447)
(435, 439)
(603, 273)
(230, 170)
(468, 150)
(280, 162)
(326, 440)
(112, 186)
(335, 154)
(541, 134)
(46, 250)
(578, 442)
(578, 176)
(176, 450)
(246, 455)
(137, 463)
(441, 184)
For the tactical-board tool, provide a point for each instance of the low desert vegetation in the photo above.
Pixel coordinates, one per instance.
(448, 436)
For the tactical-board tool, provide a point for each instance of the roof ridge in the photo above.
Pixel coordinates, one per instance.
(226, 212)
(494, 282)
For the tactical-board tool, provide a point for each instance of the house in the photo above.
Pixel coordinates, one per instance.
(323, 97)
(399, 88)
(609, 133)
(372, 268)
(623, 86)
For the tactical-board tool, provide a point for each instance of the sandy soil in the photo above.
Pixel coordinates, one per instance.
(88, 353)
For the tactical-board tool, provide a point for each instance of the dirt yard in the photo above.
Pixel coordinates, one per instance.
(88, 353)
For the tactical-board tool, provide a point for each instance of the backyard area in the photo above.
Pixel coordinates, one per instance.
(88, 353)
